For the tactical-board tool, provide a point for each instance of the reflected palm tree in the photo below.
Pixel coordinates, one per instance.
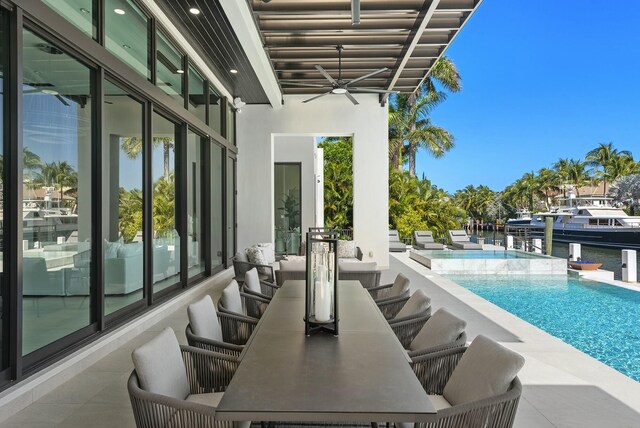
(132, 147)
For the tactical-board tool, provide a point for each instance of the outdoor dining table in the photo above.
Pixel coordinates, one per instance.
(362, 375)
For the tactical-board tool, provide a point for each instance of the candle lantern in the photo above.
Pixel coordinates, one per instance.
(321, 297)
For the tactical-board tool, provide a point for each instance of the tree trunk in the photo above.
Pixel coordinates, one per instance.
(412, 159)
(166, 162)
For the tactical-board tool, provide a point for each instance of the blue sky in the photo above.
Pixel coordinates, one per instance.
(541, 80)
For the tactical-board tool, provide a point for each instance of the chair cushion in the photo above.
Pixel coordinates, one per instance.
(424, 236)
(443, 327)
(346, 249)
(439, 402)
(252, 280)
(231, 299)
(241, 256)
(417, 303)
(357, 267)
(204, 320)
(485, 370)
(159, 366)
(297, 264)
(210, 399)
(255, 256)
(400, 286)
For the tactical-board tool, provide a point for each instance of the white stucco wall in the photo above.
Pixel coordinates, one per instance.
(300, 149)
(332, 115)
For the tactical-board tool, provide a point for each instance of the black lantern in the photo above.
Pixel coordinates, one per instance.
(321, 296)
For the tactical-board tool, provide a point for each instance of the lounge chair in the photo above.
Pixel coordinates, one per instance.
(423, 239)
(395, 244)
(460, 241)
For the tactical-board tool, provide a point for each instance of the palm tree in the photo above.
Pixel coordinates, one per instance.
(412, 126)
(603, 157)
(562, 172)
(402, 116)
(547, 181)
(444, 72)
(132, 146)
(578, 174)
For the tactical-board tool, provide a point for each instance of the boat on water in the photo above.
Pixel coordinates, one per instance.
(590, 221)
(523, 217)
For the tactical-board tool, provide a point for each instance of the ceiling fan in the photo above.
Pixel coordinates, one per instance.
(340, 86)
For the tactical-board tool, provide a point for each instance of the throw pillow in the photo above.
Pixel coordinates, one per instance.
(111, 249)
(346, 249)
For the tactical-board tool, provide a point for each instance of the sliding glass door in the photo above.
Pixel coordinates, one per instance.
(288, 206)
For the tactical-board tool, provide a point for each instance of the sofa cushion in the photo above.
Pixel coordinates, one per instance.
(346, 249)
(255, 256)
(241, 256)
(160, 368)
(294, 264)
(204, 319)
(485, 370)
(130, 250)
(111, 249)
(268, 252)
(231, 299)
(357, 267)
(443, 327)
(417, 303)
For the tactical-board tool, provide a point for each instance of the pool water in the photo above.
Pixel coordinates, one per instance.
(601, 320)
(478, 254)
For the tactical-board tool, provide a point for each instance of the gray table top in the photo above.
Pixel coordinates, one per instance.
(362, 375)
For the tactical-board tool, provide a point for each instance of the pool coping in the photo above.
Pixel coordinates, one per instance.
(549, 360)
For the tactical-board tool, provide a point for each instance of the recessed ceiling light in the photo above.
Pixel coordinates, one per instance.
(179, 71)
(194, 11)
(49, 92)
(119, 11)
(233, 71)
(126, 46)
(83, 10)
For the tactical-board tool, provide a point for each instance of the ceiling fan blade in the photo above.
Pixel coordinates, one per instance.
(62, 100)
(31, 91)
(325, 74)
(355, 12)
(373, 91)
(366, 76)
(353, 100)
(316, 97)
(307, 85)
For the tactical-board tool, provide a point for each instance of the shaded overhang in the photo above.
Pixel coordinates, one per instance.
(405, 36)
(270, 42)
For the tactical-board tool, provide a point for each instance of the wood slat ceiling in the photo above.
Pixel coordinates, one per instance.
(212, 36)
(298, 34)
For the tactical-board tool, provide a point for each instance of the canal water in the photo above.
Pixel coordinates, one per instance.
(611, 259)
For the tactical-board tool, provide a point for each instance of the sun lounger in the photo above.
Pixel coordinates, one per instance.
(460, 241)
(423, 239)
(395, 244)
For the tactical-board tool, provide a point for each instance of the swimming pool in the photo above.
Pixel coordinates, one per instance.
(599, 319)
(479, 254)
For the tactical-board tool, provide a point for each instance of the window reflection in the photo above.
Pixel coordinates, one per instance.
(56, 206)
(122, 149)
(169, 72)
(126, 34)
(166, 240)
(194, 203)
(196, 94)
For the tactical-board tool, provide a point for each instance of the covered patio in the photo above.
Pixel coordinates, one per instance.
(561, 386)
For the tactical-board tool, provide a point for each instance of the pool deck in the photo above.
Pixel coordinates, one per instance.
(563, 386)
